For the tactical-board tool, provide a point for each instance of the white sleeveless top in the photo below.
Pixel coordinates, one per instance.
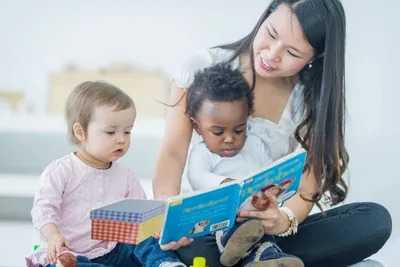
(278, 136)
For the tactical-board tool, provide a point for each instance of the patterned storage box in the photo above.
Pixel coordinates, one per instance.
(127, 221)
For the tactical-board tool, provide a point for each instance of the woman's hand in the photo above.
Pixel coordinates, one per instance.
(175, 245)
(273, 219)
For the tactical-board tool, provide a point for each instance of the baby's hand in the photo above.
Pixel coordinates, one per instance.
(55, 244)
(175, 245)
(66, 259)
(156, 235)
(227, 180)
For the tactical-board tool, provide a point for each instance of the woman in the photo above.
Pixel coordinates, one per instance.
(294, 61)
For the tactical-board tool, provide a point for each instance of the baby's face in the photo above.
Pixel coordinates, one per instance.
(109, 133)
(223, 126)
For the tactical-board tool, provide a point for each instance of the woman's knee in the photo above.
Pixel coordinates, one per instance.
(374, 223)
(382, 221)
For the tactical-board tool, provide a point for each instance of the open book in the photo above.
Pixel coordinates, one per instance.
(204, 212)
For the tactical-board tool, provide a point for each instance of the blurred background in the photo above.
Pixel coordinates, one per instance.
(48, 47)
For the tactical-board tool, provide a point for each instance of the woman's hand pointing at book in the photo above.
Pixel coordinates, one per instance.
(274, 220)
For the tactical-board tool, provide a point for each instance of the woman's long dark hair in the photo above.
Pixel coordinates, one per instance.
(322, 130)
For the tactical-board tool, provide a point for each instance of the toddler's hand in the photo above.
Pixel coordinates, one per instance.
(156, 235)
(175, 245)
(55, 244)
(66, 259)
(227, 180)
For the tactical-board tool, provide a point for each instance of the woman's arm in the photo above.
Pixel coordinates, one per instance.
(174, 147)
(300, 207)
(172, 155)
(308, 187)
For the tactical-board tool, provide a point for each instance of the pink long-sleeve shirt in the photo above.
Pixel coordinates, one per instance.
(69, 190)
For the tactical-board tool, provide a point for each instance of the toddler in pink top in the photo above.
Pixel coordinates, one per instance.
(100, 118)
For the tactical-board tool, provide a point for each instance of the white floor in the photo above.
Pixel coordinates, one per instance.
(18, 236)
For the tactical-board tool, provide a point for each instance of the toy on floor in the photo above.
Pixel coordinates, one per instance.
(199, 262)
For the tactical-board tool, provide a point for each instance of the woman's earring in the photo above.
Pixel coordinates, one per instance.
(310, 65)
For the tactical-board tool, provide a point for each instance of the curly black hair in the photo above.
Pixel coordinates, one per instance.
(219, 83)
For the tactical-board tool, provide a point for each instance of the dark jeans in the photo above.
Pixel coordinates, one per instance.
(341, 236)
(148, 254)
(121, 256)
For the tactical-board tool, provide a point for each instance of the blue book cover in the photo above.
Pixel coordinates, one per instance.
(205, 212)
(200, 214)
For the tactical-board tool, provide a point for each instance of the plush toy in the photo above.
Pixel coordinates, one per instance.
(66, 259)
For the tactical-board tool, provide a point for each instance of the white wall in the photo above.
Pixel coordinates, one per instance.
(373, 102)
(372, 65)
(39, 37)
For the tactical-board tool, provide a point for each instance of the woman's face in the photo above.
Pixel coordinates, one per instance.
(280, 46)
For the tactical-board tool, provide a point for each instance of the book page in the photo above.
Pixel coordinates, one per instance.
(283, 176)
